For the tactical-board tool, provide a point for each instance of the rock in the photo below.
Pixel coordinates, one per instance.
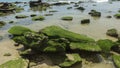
(105, 45)
(2, 23)
(18, 63)
(69, 7)
(116, 60)
(18, 30)
(7, 54)
(16, 44)
(33, 15)
(95, 13)
(116, 48)
(60, 3)
(21, 16)
(18, 9)
(81, 8)
(58, 32)
(48, 14)
(38, 18)
(84, 21)
(67, 18)
(11, 22)
(71, 59)
(117, 16)
(108, 16)
(89, 47)
(112, 32)
(53, 11)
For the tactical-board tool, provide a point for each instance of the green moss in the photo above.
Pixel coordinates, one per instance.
(85, 47)
(18, 63)
(18, 30)
(117, 16)
(116, 59)
(58, 32)
(38, 18)
(21, 16)
(67, 18)
(71, 60)
(105, 45)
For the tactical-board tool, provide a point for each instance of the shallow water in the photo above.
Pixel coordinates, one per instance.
(96, 29)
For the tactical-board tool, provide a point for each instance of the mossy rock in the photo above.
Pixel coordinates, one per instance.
(21, 16)
(95, 13)
(105, 45)
(38, 18)
(67, 18)
(117, 16)
(11, 22)
(81, 8)
(18, 30)
(116, 60)
(89, 47)
(33, 15)
(17, 63)
(85, 21)
(71, 60)
(58, 32)
(18, 9)
(112, 32)
(2, 23)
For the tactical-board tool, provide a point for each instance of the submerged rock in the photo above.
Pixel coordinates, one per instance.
(81, 8)
(21, 16)
(58, 32)
(2, 23)
(90, 47)
(38, 18)
(16, 63)
(48, 14)
(116, 60)
(84, 21)
(33, 15)
(112, 32)
(67, 18)
(71, 59)
(18, 30)
(95, 13)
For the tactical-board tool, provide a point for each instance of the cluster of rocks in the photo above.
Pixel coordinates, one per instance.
(63, 47)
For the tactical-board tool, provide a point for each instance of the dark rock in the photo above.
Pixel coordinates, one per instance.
(21, 16)
(112, 32)
(67, 18)
(94, 13)
(81, 8)
(84, 21)
(16, 44)
(109, 17)
(117, 16)
(33, 15)
(2, 23)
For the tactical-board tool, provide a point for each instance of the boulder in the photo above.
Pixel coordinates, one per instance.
(112, 32)
(33, 15)
(116, 60)
(38, 18)
(105, 45)
(88, 47)
(67, 18)
(16, 63)
(58, 32)
(18, 30)
(71, 59)
(81, 8)
(21, 16)
(95, 13)
(85, 21)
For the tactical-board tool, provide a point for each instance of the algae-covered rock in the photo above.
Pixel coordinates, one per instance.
(81, 8)
(91, 47)
(95, 13)
(105, 45)
(117, 16)
(38, 18)
(17, 63)
(2, 23)
(84, 21)
(112, 32)
(18, 30)
(71, 59)
(58, 32)
(116, 60)
(68, 18)
(21, 16)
